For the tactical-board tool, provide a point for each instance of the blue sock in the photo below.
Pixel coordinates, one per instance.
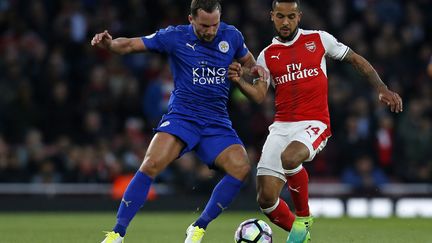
(222, 196)
(133, 199)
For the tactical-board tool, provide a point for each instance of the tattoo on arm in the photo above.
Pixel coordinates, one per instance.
(364, 68)
(247, 63)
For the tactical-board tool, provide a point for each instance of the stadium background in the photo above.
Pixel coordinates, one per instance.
(75, 120)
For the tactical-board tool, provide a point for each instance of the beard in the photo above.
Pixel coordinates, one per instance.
(286, 38)
(206, 38)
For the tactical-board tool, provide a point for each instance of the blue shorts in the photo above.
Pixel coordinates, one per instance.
(207, 140)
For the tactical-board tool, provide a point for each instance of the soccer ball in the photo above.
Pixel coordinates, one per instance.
(253, 231)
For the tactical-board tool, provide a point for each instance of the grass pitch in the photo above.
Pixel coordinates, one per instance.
(170, 227)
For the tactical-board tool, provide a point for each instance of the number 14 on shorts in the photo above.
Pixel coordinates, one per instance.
(312, 131)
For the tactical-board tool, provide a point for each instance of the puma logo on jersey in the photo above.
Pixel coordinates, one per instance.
(297, 189)
(164, 124)
(221, 207)
(275, 56)
(191, 46)
(126, 202)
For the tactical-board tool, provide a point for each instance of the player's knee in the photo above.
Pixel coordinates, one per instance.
(266, 199)
(240, 170)
(291, 160)
(150, 167)
(244, 170)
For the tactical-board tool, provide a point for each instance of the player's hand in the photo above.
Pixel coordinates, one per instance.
(235, 72)
(391, 99)
(259, 71)
(102, 40)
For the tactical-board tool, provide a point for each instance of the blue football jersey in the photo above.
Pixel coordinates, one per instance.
(200, 69)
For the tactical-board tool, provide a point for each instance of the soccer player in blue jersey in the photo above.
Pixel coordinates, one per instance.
(197, 119)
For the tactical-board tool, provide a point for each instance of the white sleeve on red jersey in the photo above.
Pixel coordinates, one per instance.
(261, 61)
(333, 47)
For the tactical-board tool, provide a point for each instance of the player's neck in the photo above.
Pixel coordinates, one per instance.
(288, 38)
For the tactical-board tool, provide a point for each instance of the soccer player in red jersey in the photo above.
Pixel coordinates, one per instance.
(296, 62)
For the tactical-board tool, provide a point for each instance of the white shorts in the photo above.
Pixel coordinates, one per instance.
(313, 134)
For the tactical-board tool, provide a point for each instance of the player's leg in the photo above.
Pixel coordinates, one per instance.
(309, 138)
(297, 179)
(221, 147)
(275, 208)
(234, 161)
(163, 149)
(271, 177)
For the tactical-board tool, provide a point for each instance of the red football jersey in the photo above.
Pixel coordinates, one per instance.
(298, 71)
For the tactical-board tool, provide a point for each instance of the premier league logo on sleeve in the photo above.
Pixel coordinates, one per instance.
(223, 46)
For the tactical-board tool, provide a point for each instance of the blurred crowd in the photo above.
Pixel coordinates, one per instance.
(73, 113)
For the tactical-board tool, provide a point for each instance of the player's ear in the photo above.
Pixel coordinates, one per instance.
(190, 18)
(271, 16)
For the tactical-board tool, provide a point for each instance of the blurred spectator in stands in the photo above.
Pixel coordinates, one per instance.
(385, 144)
(85, 167)
(241, 115)
(189, 175)
(122, 90)
(157, 94)
(11, 169)
(262, 118)
(97, 93)
(22, 114)
(136, 144)
(360, 109)
(92, 130)
(61, 110)
(415, 133)
(184, 170)
(364, 175)
(46, 173)
(351, 142)
(429, 68)
(33, 152)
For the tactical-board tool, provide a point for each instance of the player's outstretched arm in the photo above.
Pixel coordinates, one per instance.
(256, 90)
(386, 96)
(119, 45)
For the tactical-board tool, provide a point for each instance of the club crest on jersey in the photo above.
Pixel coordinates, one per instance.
(223, 46)
(310, 46)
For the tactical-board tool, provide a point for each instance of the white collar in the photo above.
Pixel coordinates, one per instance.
(288, 43)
